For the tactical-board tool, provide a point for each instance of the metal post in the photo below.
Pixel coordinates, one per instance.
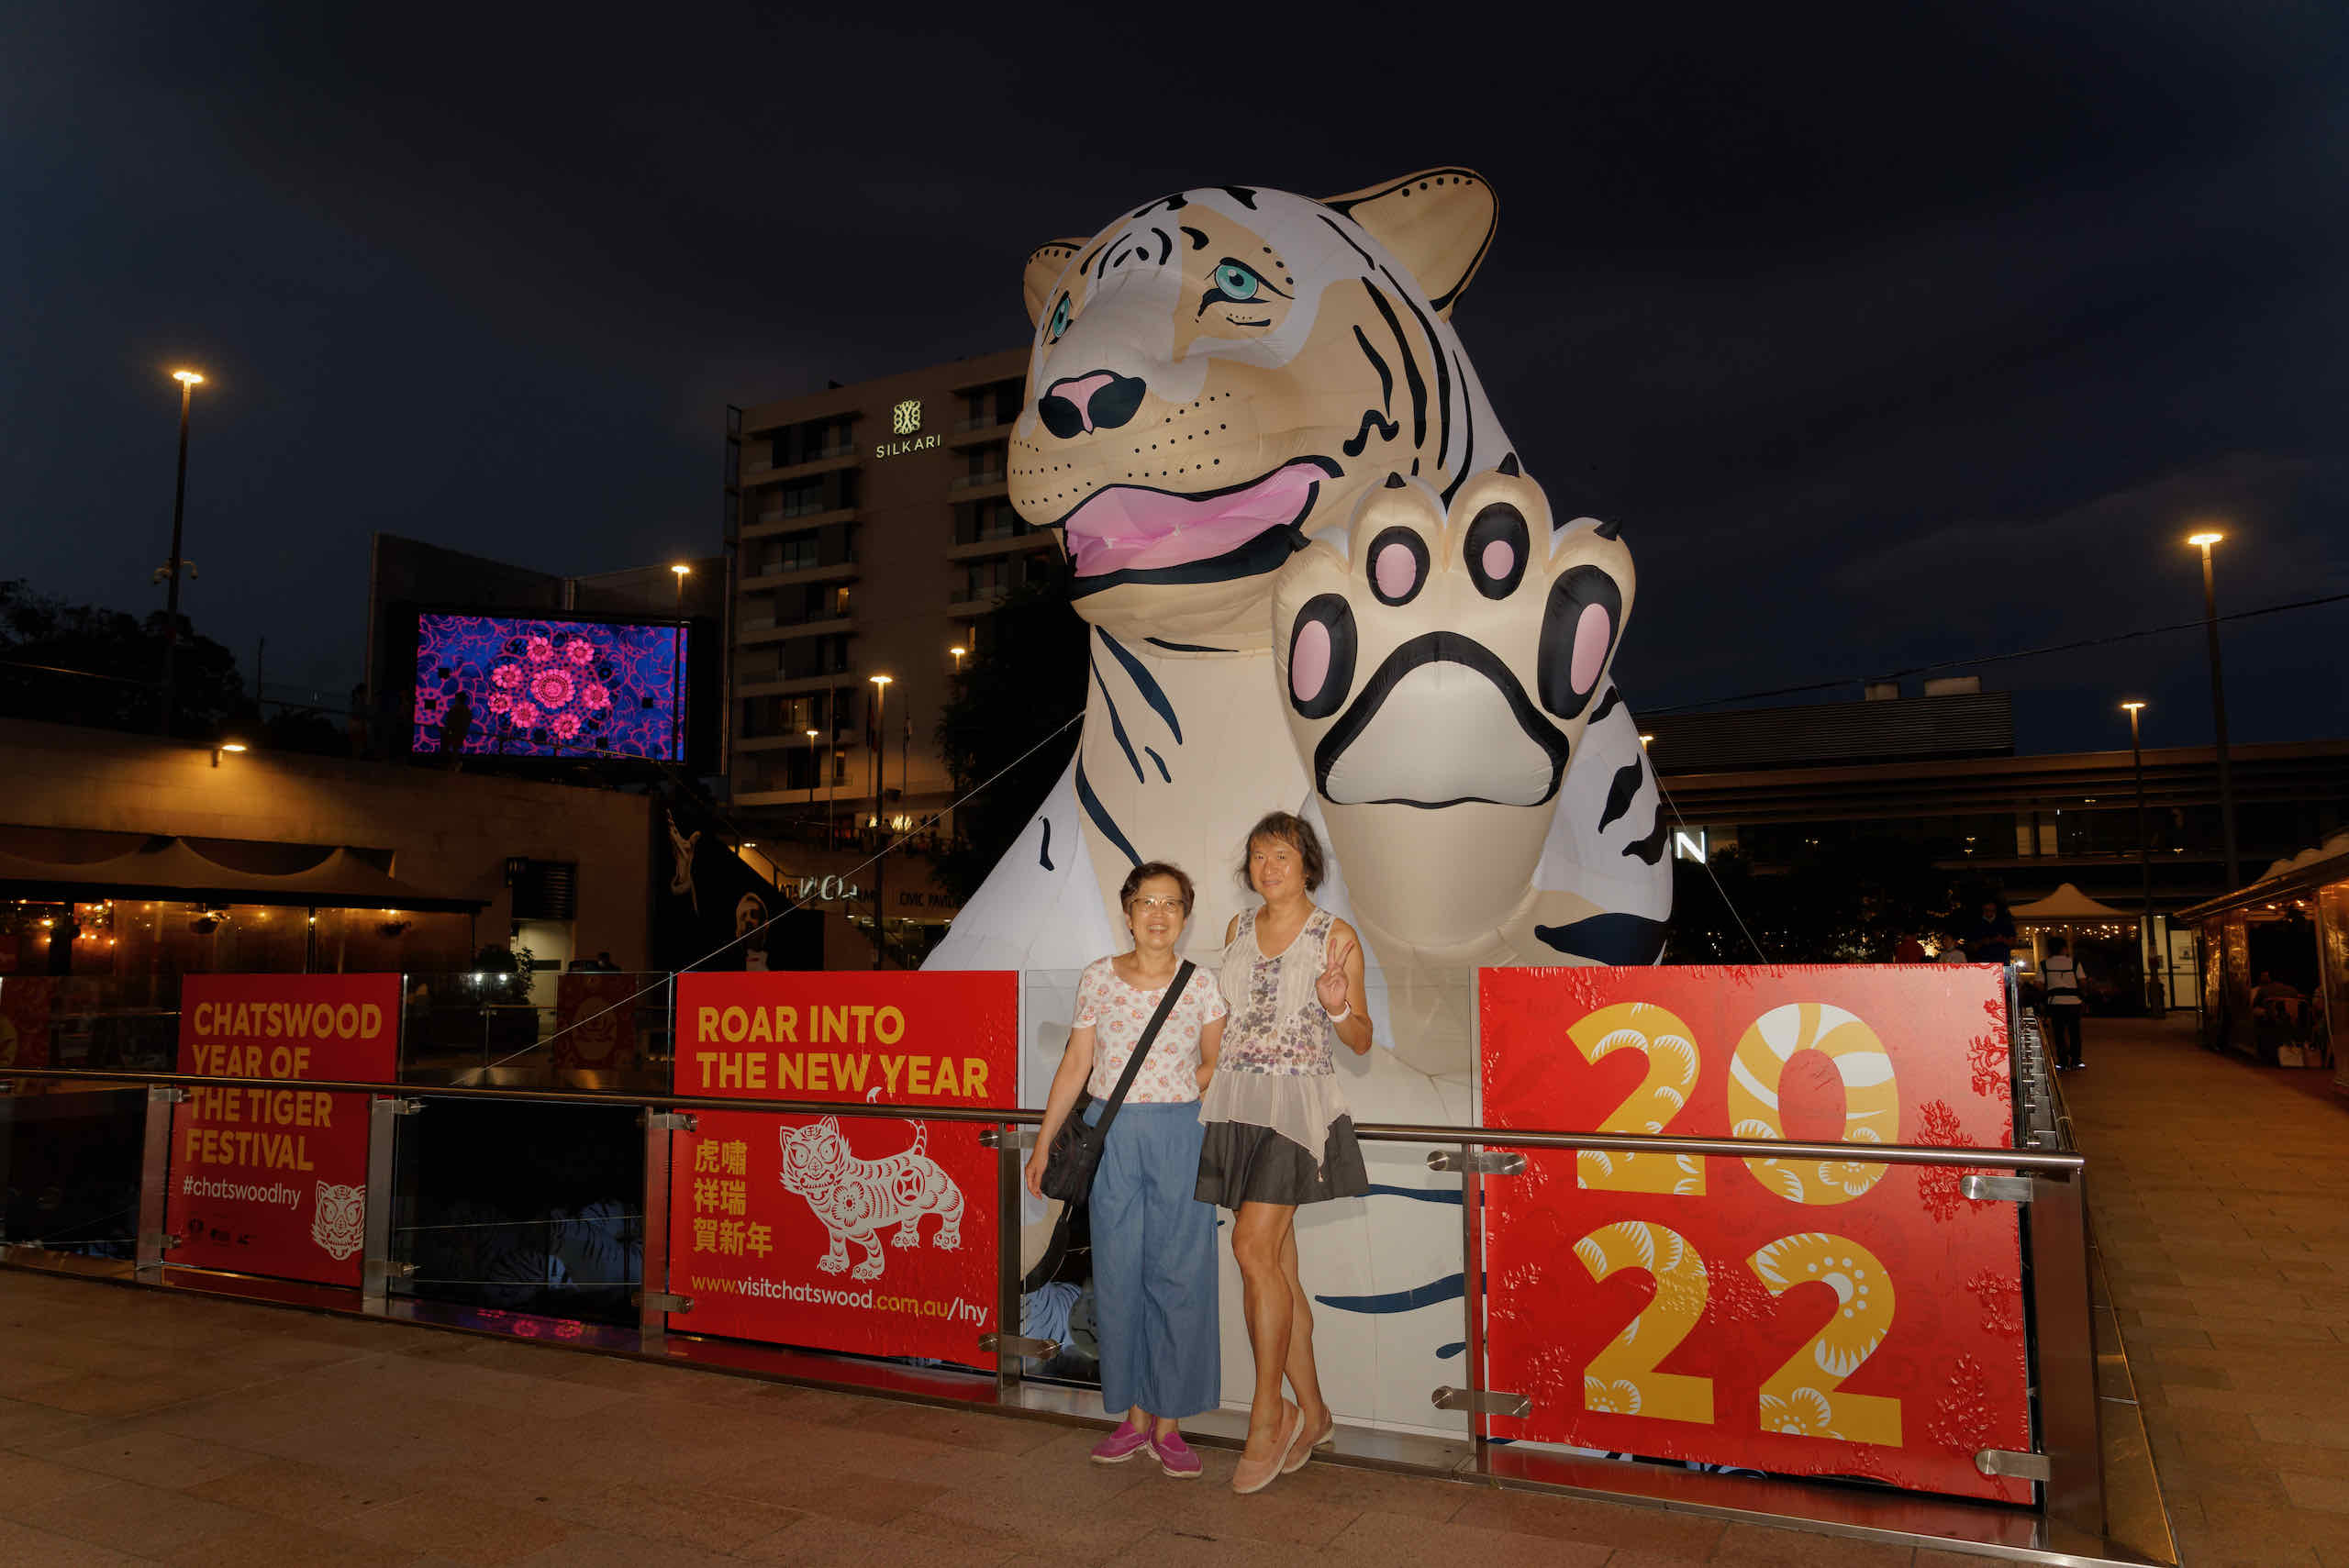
(2219, 722)
(2064, 1334)
(1008, 1158)
(1471, 1308)
(154, 1180)
(376, 1275)
(2157, 996)
(172, 593)
(652, 1315)
(880, 860)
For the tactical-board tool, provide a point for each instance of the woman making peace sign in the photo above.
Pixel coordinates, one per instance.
(1277, 1130)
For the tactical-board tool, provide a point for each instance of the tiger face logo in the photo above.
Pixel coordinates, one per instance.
(1221, 374)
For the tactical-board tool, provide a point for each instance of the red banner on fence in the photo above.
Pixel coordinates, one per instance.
(846, 1233)
(25, 1003)
(1796, 1316)
(275, 1181)
(594, 1020)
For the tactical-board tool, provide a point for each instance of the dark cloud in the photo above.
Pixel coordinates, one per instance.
(1891, 333)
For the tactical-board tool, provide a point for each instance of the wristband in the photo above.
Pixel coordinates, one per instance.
(1337, 1018)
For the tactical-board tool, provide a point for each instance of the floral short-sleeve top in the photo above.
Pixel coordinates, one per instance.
(1118, 1013)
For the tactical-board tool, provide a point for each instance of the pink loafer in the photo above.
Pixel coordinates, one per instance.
(1255, 1475)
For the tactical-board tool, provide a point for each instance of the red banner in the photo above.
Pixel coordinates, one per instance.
(594, 1020)
(275, 1181)
(845, 1234)
(25, 1003)
(1805, 1317)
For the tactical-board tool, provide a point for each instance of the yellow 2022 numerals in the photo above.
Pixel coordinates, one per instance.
(1621, 1379)
(1670, 1049)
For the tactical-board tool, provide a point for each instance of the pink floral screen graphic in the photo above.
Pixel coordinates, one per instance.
(547, 688)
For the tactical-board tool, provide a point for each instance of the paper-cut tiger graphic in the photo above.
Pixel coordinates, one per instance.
(339, 1219)
(1221, 380)
(855, 1198)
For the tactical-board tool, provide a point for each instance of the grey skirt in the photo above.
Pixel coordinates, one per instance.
(1243, 1162)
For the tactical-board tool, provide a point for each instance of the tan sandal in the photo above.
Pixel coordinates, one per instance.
(1255, 1475)
(1301, 1449)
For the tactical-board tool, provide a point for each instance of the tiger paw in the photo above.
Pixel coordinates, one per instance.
(869, 1269)
(831, 1265)
(1439, 665)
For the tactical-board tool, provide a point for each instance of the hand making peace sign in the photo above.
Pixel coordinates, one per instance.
(1330, 985)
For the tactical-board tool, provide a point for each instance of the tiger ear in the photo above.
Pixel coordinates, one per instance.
(1438, 222)
(1045, 264)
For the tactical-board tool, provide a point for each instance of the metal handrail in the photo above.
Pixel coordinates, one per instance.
(2041, 1162)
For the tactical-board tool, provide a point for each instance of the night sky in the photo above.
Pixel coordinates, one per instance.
(1890, 336)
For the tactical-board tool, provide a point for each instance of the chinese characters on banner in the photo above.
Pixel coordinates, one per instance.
(870, 1234)
(275, 1181)
(1797, 1316)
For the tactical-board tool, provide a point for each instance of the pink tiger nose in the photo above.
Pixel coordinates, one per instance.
(1099, 400)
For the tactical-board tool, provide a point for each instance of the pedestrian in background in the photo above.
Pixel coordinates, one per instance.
(2061, 977)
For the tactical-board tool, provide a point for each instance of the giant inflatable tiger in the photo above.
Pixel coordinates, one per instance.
(1318, 578)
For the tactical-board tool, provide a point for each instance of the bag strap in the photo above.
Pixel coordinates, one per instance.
(1175, 990)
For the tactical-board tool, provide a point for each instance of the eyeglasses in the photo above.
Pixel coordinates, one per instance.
(1172, 902)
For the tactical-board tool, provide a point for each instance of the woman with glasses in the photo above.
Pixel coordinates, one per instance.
(1278, 1133)
(1153, 1243)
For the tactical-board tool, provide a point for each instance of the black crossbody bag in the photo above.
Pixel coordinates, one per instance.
(1075, 1152)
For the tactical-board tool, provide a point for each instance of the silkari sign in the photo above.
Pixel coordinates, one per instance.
(905, 420)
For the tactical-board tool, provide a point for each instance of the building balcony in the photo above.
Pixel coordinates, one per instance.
(971, 432)
(1002, 544)
(774, 523)
(749, 633)
(977, 483)
(755, 472)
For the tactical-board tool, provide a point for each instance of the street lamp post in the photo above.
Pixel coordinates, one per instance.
(189, 381)
(811, 786)
(880, 860)
(682, 572)
(2156, 992)
(958, 652)
(2219, 707)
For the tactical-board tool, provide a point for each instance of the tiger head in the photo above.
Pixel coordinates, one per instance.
(1221, 374)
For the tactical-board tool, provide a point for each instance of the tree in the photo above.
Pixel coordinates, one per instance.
(1022, 684)
(81, 665)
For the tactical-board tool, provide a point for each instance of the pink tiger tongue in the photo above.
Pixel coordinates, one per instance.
(1126, 528)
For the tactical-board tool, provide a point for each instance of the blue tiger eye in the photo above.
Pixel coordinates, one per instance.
(1237, 282)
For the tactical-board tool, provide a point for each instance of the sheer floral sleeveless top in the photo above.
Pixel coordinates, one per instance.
(1277, 1022)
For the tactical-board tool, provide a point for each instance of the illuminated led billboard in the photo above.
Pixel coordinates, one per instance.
(550, 688)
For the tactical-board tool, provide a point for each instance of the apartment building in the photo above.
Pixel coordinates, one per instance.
(871, 533)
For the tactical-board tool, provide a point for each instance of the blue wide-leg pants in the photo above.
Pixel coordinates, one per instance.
(1154, 1266)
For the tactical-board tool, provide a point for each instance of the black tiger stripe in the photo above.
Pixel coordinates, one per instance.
(1386, 376)
(1621, 791)
(1165, 244)
(1467, 441)
(1442, 375)
(1411, 377)
(1349, 242)
(1607, 705)
(1649, 849)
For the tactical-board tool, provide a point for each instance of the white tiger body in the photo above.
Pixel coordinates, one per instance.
(857, 1198)
(1188, 446)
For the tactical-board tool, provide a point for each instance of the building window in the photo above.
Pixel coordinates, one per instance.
(813, 440)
